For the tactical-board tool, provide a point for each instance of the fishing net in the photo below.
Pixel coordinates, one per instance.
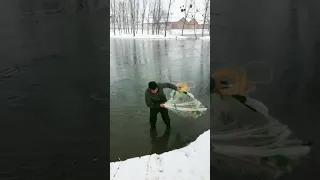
(184, 104)
(245, 138)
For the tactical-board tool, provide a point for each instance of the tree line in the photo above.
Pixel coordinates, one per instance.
(128, 16)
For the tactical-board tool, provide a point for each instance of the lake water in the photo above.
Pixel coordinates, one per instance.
(133, 63)
(53, 95)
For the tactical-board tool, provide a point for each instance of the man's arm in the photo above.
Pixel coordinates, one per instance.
(169, 85)
(149, 102)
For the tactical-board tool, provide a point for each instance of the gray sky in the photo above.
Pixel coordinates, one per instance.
(175, 8)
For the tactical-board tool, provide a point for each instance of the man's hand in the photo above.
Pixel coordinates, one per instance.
(162, 105)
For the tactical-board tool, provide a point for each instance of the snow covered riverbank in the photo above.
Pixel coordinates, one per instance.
(171, 34)
(205, 38)
(146, 36)
(189, 163)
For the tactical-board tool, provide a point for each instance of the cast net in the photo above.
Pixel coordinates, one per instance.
(184, 104)
(245, 139)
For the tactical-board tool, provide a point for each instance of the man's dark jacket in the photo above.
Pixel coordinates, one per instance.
(154, 100)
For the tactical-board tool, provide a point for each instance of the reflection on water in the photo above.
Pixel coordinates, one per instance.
(133, 63)
(242, 34)
(53, 94)
(160, 144)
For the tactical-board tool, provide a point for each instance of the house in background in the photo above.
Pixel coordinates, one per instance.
(191, 24)
(188, 24)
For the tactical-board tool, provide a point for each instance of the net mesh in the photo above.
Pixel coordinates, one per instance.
(245, 139)
(184, 104)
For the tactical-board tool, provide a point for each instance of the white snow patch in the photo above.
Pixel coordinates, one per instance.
(171, 34)
(205, 38)
(198, 32)
(145, 36)
(189, 163)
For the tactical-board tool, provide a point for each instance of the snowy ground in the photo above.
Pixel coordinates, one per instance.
(205, 38)
(145, 36)
(189, 163)
(171, 34)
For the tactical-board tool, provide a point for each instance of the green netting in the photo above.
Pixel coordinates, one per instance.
(185, 105)
(245, 138)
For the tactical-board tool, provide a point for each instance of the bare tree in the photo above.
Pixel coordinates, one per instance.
(162, 18)
(186, 9)
(132, 13)
(194, 27)
(117, 12)
(113, 15)
(148, 16)
(205, 15)
(126, 15)
(154, 17)
(194, 19)
(168, 13)
(122, 16)
(137, 14)
(158, 15)
(144, 7)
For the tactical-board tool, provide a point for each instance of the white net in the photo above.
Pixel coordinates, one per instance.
(185, 105)
(245, 138)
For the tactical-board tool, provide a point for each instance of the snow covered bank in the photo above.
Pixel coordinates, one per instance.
(205, 38)
(198, 32)
(189, 163)
(145, 36)
(171, 34)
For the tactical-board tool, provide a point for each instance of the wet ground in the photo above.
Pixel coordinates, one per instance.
(133, 63)
(285, 34)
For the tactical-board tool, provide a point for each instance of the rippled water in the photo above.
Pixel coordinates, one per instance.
(133, 63)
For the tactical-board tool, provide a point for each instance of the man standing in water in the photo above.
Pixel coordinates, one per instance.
(154, 98)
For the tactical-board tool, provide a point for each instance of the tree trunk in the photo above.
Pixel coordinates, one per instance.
(119, 17)
(205, 16)
(165, 28)
(137, 16)
(159, 17)
(194, 29)
(154, 18)
(128, 26)
(143, 14)
(114, 17)
(148, 25)
(142, 28)
(185, 17)
(132, 12)
(183, 26)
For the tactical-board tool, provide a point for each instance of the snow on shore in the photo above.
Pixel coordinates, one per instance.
(205, 38)
(146, 36)
(189, 163)
(171, 34)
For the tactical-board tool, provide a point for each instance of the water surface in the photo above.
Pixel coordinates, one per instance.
(133, 63)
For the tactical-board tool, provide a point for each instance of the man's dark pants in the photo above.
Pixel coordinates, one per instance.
(164, 114)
